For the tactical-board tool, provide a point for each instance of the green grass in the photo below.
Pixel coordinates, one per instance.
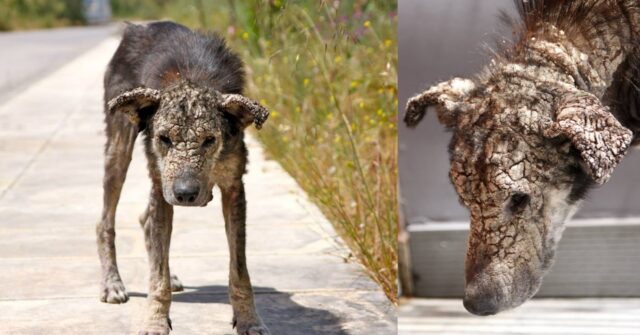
(327, 72)
(33, 14)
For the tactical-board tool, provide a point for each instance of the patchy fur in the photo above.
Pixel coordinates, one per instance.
(182, 90)
(532, 133)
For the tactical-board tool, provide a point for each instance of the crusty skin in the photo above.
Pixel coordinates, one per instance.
(531, 134)
(182, 90)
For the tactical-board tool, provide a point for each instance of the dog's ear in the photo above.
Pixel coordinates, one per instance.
(601, 140)
(448, 97)
(244, 109)
(138, 104)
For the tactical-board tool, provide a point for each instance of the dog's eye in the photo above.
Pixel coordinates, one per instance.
(209, 141)
(518, 202)
(165, 140)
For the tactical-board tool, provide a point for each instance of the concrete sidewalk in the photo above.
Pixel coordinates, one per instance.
(51, 166)
(29, 55)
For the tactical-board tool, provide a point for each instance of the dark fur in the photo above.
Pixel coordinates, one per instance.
(147, 53)
(624, 95)
(581, 18)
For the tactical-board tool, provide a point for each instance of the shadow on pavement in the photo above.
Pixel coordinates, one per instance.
(281, 314)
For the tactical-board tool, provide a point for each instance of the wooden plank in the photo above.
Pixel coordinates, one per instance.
(587, 316)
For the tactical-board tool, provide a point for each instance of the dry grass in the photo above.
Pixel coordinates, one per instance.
(327, 71)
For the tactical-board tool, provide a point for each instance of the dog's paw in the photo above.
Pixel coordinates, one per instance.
(113, 292)
(250, 327)
(176, 284)
(158, 329)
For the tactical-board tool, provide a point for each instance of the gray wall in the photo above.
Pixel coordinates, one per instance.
(439, 39)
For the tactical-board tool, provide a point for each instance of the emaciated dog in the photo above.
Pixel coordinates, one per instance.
(182, 90)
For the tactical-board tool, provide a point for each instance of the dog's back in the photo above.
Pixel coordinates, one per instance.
(158, 54)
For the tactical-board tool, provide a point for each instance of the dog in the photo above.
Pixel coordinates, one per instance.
(183, 91)
(549, 118)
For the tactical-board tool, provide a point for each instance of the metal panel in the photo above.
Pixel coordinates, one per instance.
(594, 258)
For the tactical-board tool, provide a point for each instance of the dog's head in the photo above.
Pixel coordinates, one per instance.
(189, 128)
(525, 148)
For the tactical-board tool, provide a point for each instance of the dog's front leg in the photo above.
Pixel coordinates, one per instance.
(245, 317)
(157, 233)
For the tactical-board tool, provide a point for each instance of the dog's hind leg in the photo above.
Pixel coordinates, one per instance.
(245, 317)
(121, 137)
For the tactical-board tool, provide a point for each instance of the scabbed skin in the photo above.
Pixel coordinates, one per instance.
(547, 119)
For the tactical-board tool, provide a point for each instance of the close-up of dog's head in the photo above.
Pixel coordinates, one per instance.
(191, 131)
(523, 155)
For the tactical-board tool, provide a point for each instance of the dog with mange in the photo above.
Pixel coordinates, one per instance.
(546, 120)
(182, 90)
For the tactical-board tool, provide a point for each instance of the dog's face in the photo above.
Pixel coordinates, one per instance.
(520, 189)
(523, 154)
(187, 135)
(188, 129)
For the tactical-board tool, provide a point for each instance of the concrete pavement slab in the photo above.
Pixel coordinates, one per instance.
(28, 55)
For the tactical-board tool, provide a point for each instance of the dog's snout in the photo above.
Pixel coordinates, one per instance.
(186, 190)
(481, 296)
(480, 305)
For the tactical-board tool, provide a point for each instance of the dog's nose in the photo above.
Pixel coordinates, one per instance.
(480, 300)
(186, 190)
(480, 306)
